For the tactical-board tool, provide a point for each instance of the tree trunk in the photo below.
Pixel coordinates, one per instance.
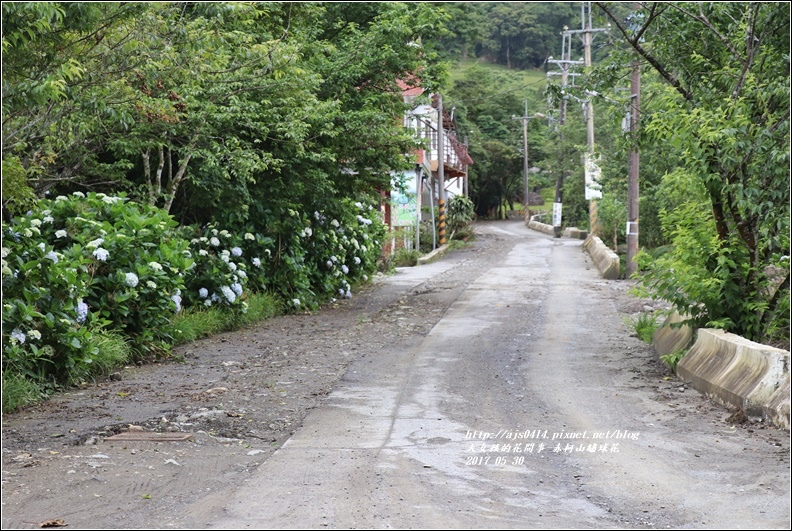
(160, 166)
(147, 173)
(176, 181)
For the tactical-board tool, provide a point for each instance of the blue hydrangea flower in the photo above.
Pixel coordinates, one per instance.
(18, 335)
(236, 251)
(203, 293)
(82, 311)
(229, 294)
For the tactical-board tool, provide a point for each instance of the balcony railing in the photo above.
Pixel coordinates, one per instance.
(455, 155)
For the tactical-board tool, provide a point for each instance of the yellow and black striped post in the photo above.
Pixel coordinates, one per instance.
(441, 205)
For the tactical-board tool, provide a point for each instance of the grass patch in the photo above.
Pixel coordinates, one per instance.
(644, 326)
(196, 324)
(113, 351)
(534, 79)
(19, 391)
(406, 257)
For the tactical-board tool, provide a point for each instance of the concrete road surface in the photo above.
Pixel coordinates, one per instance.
(528, 405)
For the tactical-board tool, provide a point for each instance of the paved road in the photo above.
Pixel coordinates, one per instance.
(526, 406)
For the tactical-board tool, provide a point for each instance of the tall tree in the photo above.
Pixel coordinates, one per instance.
(727, 108)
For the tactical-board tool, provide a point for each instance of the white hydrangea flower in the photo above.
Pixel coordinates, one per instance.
(257, 262)
(35, 222)
(357, 260)
(155, 266)
(131, 280)
(296, 302)
(48, 219)
(236, 251)
(203, 252)
(335, 223)
(94, 243)
(214, 241)
(203, 293)
(34, 334)
(61, 234)
(151, 284)
(52, 256)
(78, 194)
(249, 236)
(345, 269)
(232, 266)
(101, 254)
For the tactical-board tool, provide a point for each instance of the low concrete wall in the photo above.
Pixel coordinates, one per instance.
(738, 372)
(777, 408)
(437, 253)
(541, 227)
(606, 260)
(576, 233)
(667, 339)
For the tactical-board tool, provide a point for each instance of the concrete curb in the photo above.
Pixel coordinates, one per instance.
(541, 227)
(667, 339)
(738, 372)
(437, 253)
(606, 260)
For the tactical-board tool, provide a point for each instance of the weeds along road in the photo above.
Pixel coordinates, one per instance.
(527, 405)
(435, 398)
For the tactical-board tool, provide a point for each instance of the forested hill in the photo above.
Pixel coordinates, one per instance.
(513, 34)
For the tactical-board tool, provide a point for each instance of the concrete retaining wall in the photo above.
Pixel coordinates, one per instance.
(606, 260)
(738, 372)
(667, 339)
(541, 227)
(576, 233)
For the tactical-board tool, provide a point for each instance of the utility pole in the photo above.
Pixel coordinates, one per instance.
(592, 194)
(525, 118)
(565, 64)
(526, 190)
(632, 183)
(441, 200)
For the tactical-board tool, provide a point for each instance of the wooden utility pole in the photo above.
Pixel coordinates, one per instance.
(632, 183)
(441, 200)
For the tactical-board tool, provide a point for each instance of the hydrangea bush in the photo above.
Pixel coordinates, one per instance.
(87, 261)
(219, 275)
(84, 263)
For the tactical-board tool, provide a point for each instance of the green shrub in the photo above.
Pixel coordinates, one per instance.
(645, 326)
(406, 257)
(461, 213)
